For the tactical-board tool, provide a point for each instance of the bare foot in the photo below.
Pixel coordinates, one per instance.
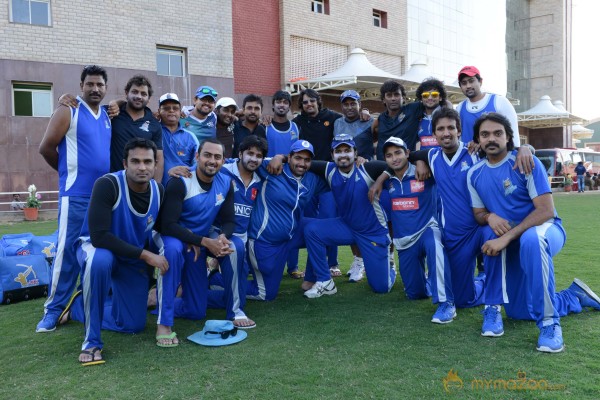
(165, 337)
(91, 356)
(244, 323)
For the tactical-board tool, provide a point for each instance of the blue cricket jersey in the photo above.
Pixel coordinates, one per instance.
(84, 151)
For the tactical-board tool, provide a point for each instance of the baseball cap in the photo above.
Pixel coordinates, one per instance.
(342, 138)
(226, 102)
(351, 94)
(301, 145)
(469, 70)
(204, 91)
(168, 97)
(218, 333)
(395, 141)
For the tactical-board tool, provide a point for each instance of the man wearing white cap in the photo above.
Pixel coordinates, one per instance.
(179, 145)
(225, 109)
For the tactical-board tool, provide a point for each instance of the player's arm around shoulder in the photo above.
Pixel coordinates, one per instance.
(57, 129)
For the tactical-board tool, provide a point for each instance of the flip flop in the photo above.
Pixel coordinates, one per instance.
(92, 352)
(170, 336)
(253, 325)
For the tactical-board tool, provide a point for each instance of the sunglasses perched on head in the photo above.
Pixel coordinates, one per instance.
(433, 95)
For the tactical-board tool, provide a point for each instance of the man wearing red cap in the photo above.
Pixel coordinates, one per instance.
(478, 102)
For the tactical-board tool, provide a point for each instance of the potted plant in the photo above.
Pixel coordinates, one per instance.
(568, 183)
(32, 205)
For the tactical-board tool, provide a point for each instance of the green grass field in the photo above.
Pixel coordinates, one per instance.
(355, 344)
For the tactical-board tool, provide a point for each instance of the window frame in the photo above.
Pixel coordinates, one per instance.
(43, 87)
(12, 19)
(172, 51)
(379, 19)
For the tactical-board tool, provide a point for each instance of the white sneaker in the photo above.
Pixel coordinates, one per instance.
(321, 288)
(355, 264)
(358, 272)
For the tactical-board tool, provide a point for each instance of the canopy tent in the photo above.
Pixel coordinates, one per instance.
(547, 115)
(357, 73)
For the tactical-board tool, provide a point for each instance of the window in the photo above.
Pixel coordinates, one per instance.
(380, 19)
(34, 12)
(32, 99)
(320, 6)
(170, 61)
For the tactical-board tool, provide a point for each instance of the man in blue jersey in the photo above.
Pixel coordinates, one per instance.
(360, 222)
(276, 223)
(249, 124)
(522, 232)
(179, 145)
(113, 251)
(432, 94)
(202, 121)
(77, 145)
(135, 119)
(191, 207)
(478, 102)
(281, 132)
(421, 239)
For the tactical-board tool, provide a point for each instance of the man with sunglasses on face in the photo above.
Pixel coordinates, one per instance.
(432, 94)
(202, 121)
(478, 102)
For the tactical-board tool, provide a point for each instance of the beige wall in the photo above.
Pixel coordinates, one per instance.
(106, 33)
(349, 24)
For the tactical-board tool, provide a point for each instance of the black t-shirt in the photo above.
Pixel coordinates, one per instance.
(318, 131)
(125, 128)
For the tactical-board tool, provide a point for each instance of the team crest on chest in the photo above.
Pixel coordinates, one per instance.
(220, 199)
(508, 187)
(145, 126)
(416, 186)
(464, 166)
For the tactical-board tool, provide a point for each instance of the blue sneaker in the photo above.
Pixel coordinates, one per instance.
(550, 340)
(48, 323)
(445, 313)
(492, 322)
(586, 296)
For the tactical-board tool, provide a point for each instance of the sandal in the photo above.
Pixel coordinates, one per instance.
(92, 352)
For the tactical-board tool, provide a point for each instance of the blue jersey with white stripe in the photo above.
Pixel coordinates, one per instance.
(351, 193)
(244, 197)
(413, 201)
(426, 138)
(451, 179)
(281, 141)
(468, 118)
(179, 148)
(200, 207)
(84, 152)
(506, 192)
(127, 224)
(281, 203)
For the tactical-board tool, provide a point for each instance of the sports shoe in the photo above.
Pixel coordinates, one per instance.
(550, 340)
(586, 296)
(48, 323)
(358, 261)
(445, 313)
(357, 274)
(492, 322)
(321, 288)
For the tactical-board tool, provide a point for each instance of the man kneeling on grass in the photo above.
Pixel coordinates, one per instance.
(111, 251)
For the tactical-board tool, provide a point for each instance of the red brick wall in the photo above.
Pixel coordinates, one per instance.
(256, 47)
